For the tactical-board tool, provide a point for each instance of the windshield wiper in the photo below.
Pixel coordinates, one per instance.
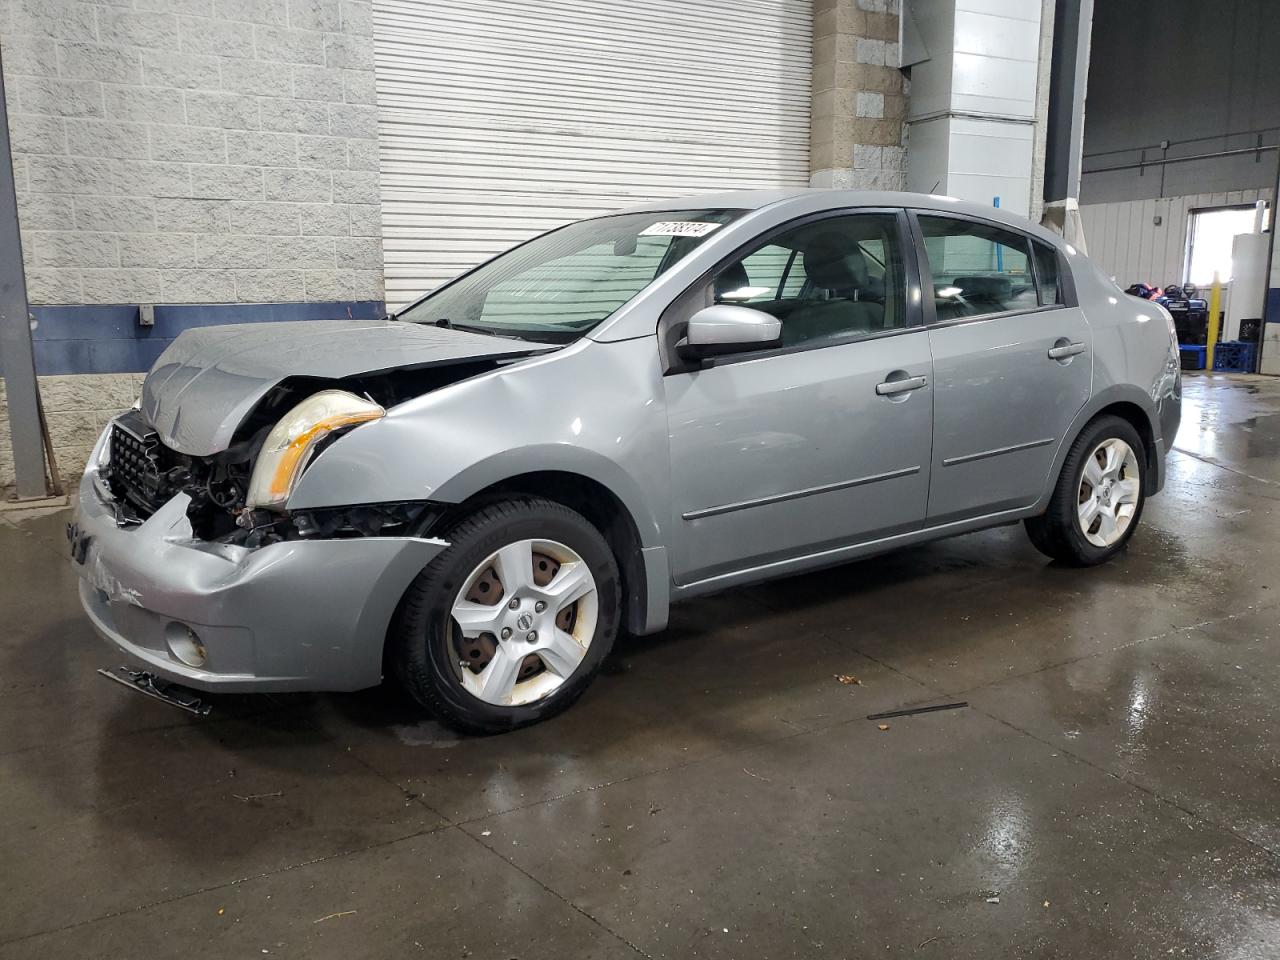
(446, 324)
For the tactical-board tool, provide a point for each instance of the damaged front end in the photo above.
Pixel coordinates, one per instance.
(191, 562)
(237, 495)
(141, 474)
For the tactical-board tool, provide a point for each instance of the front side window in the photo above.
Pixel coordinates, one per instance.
(558, 286)
(830, 280)
(977, 268)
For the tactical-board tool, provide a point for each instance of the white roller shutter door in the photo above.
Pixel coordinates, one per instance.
(499, 119)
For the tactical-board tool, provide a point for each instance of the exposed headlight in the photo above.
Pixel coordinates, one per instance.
(291, 442)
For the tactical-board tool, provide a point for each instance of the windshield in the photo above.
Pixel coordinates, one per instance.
(558, 286)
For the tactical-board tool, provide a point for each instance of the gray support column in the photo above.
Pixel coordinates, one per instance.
(15, 333)
(1073, 21)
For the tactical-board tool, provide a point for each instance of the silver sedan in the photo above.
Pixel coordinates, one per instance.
(479, 492)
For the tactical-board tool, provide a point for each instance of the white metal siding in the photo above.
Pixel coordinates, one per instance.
(499, 119)
(1123, 239)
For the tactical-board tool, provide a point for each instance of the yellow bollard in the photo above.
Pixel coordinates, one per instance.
(1215, 297)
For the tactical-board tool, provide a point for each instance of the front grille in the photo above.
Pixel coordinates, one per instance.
(138, 464)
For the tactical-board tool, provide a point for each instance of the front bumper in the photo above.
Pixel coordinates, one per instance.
(296, 615)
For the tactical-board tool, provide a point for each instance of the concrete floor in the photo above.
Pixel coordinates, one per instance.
(1113, 789)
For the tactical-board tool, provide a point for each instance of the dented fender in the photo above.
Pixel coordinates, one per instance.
(541, 414)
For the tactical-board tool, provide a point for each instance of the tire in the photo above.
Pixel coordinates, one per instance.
(426, 646)
(1059, 533)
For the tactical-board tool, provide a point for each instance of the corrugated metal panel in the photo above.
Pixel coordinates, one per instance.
(1124, 240)
(499, 119)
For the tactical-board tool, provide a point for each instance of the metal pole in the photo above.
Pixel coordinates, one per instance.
(17, 360)
(1269, 315)
(1069, 78)
(1142, 164)
(1064, 143)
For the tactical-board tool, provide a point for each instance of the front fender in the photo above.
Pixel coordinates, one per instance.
(592, 409)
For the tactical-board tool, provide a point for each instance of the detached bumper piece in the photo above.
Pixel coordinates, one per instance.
(149, 685)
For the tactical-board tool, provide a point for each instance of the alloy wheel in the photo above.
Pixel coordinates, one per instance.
(522, 622)
(1109, 490)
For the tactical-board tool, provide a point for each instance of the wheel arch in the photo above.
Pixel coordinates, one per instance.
(644, 600)
(1137, 418)
(1135, 408)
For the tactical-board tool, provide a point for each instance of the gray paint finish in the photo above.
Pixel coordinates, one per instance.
(204, 385)
(756, 466)
(997, 388)
(771, 428)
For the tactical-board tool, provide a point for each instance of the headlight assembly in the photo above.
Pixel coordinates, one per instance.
(292, 441)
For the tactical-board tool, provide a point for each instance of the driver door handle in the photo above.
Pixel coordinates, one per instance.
(890, 387)
(1065, 350)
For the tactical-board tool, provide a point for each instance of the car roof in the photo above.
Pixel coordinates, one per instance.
(837, 199)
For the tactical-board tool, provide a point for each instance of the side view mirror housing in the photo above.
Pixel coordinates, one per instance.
(725, 328)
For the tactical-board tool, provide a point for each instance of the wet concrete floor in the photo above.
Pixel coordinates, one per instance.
(1112, 790)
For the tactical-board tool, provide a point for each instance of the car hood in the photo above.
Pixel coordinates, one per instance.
(205, 384)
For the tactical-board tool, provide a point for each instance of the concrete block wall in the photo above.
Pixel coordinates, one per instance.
(188, 151)
(194, 151)
(858, 136)
(77, 408)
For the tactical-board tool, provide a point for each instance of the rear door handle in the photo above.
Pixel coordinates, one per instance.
(890, 387)
(1064, 350)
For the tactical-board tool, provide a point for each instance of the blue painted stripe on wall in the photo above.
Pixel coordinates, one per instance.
(106, 338)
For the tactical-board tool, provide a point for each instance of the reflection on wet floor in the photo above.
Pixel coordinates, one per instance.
(1110, 791)
(1232, 419)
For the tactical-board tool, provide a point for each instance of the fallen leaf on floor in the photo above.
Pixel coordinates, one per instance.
(883, 726)
(848, 678)
(335, 916)
(221, 911)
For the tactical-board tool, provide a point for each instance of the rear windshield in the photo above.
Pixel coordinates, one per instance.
(558, 286)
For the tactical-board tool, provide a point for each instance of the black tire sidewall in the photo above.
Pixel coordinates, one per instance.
(1068, 515)
(428, 661)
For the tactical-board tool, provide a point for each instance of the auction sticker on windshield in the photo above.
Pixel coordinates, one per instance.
(678, 228)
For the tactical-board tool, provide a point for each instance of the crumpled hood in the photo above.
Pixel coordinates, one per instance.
(211, 378)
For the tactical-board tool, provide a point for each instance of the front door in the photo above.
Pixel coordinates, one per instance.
(1012, 365)
(822, 441)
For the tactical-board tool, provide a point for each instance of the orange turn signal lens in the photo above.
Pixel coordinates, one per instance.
(292, 441)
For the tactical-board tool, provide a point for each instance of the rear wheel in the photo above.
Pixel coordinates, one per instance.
(509, 625)
(1098, 500)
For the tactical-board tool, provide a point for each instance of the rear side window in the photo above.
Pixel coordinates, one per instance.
(1047, 273)
(977, 268)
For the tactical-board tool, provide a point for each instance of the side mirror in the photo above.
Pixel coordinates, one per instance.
(724, 328)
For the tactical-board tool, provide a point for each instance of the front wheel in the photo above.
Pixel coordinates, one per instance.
(1098, 500)
(509, 625)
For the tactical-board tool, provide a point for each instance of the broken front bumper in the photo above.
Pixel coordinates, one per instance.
(296, 615)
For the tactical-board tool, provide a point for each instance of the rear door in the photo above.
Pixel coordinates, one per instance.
(1013, 362)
